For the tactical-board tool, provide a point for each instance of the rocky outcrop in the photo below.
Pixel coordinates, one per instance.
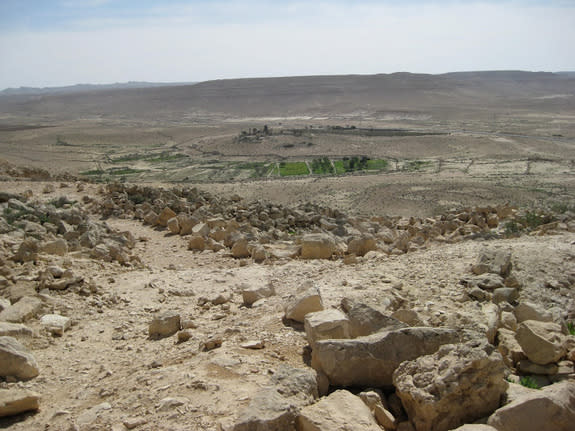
(459, 383)
(371, 360)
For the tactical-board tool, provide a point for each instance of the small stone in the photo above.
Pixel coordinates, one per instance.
(56, 324)
(253, 344)
(164, 325)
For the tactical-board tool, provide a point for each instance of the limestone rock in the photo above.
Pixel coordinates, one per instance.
(14, 330)
(164, 325)
(366, 320)
(509, 348)
(507, 294)
(529, 311)
(253, 294)
(56, 324)
(317, 246)
(339, 411)
(551, 408)
(326, 324)
(186, 223)
(15, 360)
(494, 262)
(459, 383)
(409, 317)
(475, 427)
(360, 246)
(197, 242)
(492, 315)
(298, 384)
(173, 225)
(28, 251)
(525, 366)
(542, 342)
(371, 360)
(201, 229)
(304, 303)
(267, 411)
(23, 310)
(15, 401)
(259, 254)
(164, 216)
(240, 249)
(58, 247)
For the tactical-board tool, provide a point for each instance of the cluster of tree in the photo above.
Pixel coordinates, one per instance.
(355, 163)
(321, 166)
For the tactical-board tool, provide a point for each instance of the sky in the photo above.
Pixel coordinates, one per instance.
(46, 43)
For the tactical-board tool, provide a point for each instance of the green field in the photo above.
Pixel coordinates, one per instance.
(288, 169)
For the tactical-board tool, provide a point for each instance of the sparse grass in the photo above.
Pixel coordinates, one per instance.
(415, 165)
(571, 328)
(163, 157)
(529, 382)
(562, 207)
(512, 228)
(377, 164)
(293, 168)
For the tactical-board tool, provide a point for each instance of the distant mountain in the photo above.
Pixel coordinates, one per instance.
(566, 74)
(80, 88)
(305, 96)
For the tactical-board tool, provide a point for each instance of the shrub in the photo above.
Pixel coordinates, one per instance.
(528, 382)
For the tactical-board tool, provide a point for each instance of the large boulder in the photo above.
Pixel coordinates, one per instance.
(551, 408)
(340, 411)
(542, 342)
(15, 401)
(317, 246)
(267, 411)
(459, 383)
(16, 361)
(240, 249)
(366, 320)
(304, 303)
(371, 360)
(326, 324)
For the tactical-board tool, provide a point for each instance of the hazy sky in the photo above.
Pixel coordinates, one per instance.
(64, 42)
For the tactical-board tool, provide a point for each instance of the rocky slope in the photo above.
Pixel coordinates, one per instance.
(129, 307)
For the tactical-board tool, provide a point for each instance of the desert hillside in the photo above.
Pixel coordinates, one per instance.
(386, 252)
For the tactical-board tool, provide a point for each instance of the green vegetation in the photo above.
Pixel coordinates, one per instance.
(562, 207)
(415, 165)
(113, 171)
(321, 166)
(511, 228)
(293, 168)
(377, 164)
(571, 328)
(163, 157)
(529, 382)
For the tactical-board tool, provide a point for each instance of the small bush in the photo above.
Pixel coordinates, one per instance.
(512, 228)
(528, 382)
(571, 328)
